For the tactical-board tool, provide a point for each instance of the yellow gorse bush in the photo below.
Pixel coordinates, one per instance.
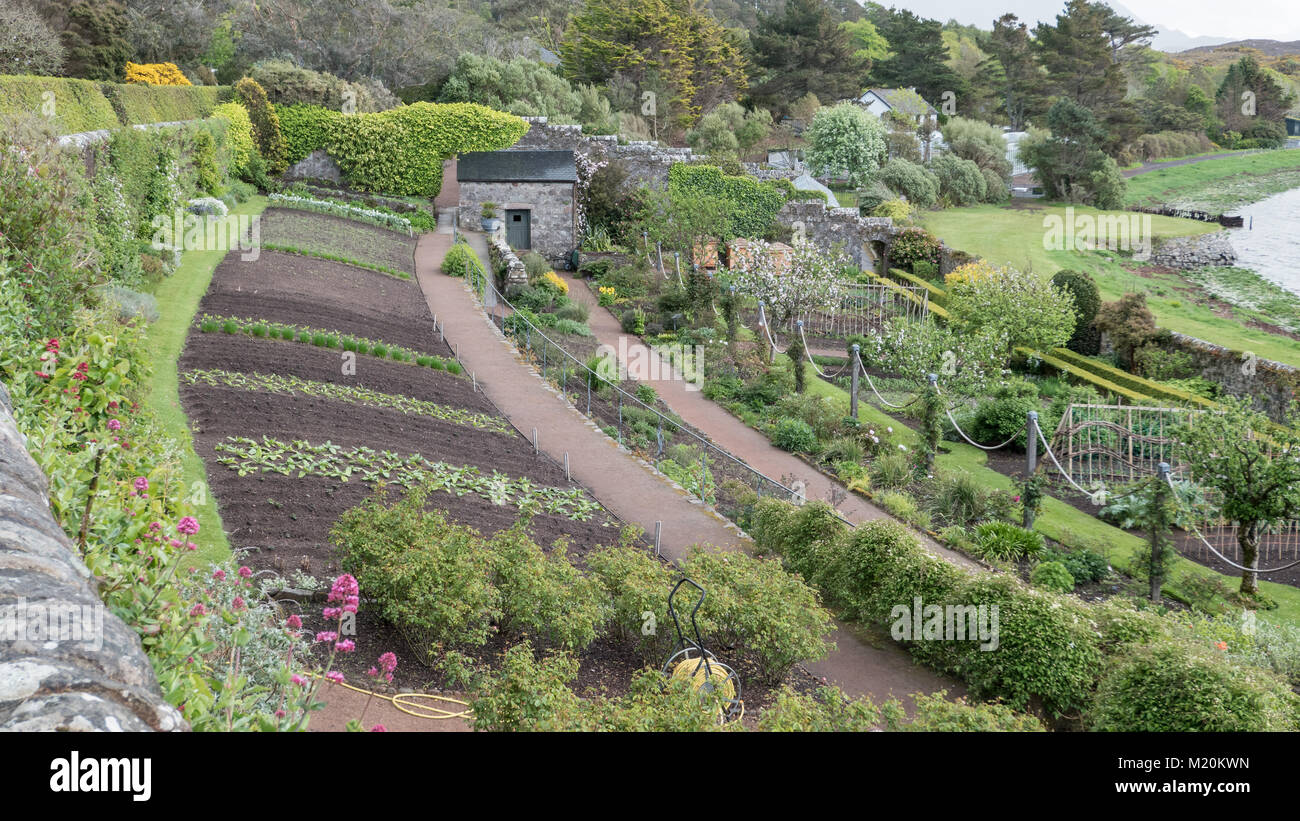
(155, 74)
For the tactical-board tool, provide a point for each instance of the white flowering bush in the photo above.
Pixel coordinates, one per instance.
(383, 220)
(808, 279)
(966, 362)
(208, 206)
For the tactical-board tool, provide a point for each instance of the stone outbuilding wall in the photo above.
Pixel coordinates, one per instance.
(94, 679)
(1271, 385)
(552, 207)
(865, 239)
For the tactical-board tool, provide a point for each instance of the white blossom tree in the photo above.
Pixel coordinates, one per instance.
(789, 283)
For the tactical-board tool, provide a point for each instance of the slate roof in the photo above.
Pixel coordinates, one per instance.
(517, 166)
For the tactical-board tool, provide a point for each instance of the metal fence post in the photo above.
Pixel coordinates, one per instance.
(568, 477)
(535, 450)
(1031, 462)
(853, 394)
(659, 527)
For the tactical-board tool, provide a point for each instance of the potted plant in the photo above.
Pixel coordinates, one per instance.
(490, 221)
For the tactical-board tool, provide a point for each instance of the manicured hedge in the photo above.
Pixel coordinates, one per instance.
(141, 104)
(82, 105)
(753, 204)
(938, 296)
(1105, 385)
(79, 105)
(1134, 383)
(935, 308)
(399, 151)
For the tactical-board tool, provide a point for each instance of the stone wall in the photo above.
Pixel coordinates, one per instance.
(1272, 385)
(1191, 252)
(826, 227)
(318, 165)
(99, 681)
(507, 266)
(551, 204)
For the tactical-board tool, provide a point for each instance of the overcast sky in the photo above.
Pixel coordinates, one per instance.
(1266, 19)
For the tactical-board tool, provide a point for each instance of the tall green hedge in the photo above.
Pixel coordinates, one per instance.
(78, 105)
(83, 105)
(400, 151)
(753, 204)
(139, 104)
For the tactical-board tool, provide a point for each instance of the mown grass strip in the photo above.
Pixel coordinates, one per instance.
(294, 386)
(178, 299)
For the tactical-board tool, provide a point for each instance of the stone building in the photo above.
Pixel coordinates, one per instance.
(535, 196)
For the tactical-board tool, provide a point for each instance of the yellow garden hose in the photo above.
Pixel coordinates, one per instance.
(403, 701)
(699, 674)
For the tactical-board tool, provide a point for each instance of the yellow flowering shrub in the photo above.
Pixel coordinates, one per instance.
(971, 272)
(155, 74)
(553, 281)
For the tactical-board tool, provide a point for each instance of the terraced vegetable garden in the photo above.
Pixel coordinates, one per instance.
(301, 379)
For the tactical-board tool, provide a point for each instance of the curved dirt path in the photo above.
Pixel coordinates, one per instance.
(1156, 166)
(626, 485)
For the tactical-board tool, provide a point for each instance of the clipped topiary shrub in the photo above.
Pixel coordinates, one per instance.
(239, 136)
(754, 204)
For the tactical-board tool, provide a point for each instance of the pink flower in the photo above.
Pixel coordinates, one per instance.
(113, 424)
(294, 621)
(388, 661)
(346, 646)
(326, 635)
(379, 728)
(280, 713)
(299, 680)
(141, 484)
(188, 525)
(238, 603)
(345, 589)
(334, 676)
(373, 673)
(331, 613)
(198, 610)
(245, 571)
(1222, 645)
(219, 575)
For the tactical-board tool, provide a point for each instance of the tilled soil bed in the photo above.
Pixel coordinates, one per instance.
(328, 234)
(331, 296)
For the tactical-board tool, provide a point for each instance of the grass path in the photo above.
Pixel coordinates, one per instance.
(178, 299)
(1058, 520)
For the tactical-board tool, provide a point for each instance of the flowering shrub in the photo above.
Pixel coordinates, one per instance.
(551, 281)
(807, 279)
(970, 272)
(155, 74)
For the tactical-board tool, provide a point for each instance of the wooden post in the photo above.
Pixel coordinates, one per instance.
(1031, 461)
(853, 394)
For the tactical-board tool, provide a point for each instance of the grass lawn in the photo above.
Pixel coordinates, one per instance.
(1218, 185)
(178, 298)
(1007, 235)
(1058, 520)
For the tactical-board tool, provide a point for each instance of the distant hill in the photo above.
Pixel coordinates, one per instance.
(1271, 48)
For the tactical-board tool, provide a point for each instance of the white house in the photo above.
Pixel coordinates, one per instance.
(906, 101)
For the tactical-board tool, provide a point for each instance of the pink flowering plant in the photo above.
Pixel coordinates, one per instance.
(340, 609)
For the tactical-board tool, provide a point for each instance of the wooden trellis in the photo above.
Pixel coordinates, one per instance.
(1116, 444)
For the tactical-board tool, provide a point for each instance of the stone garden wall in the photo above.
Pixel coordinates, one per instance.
(827, 227)
(96, 679)
(1272, 385)
(551, 204)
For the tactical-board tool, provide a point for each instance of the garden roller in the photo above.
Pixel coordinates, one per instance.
(691, 661)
